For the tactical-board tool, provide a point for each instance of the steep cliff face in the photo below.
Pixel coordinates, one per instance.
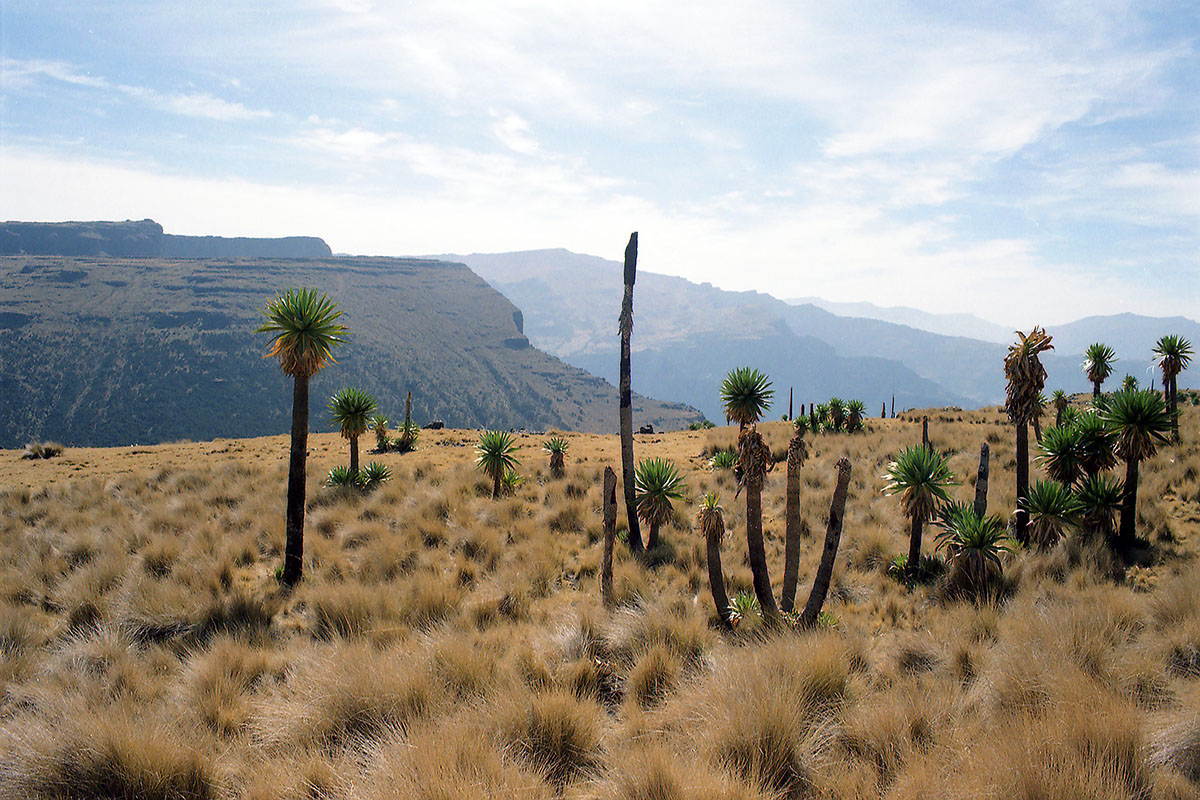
(122, 239)
(144, 239)
(241, 247)
(109, 351)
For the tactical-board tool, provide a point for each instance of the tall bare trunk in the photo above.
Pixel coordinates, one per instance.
(1095, 390)
(981, 480)
(610, 532)
(833, 536)
(626, 388)
(925, 431)
(1172, 400)
(293, 553)
(791, 515)
(1022, 526)
(1128, 530)
(354, 454)
(753, 454)
(789, 402)
(1037, 427)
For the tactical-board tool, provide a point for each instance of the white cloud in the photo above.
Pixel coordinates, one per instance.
(209, 107)
(513, 133)
(199, 104)
(841, 252)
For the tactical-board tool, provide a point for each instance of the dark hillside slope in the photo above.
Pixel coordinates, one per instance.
(106, 351)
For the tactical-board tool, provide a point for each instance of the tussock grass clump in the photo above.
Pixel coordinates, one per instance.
(556, 733)
(342, 695)
(441, 762)
(764, 714)
(653, 677)
(117, 754)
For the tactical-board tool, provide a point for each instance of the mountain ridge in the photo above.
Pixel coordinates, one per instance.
(568, 299)
(110, 351)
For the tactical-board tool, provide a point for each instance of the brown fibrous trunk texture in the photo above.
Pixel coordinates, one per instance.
(610, 533)
(1022, 520)
(753, 453)
(833, 536)
(716, 577)
(791, 514)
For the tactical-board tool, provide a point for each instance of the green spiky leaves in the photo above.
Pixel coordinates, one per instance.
(746, 394)
(1098, 362)
(306, 330)
(1172, 353)
(494, 453)
(921, 477)
(1052, 508)
(657, 485)
(723, 459)
(1139, 422)
(351, 410)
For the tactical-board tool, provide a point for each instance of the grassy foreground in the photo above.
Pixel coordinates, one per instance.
(444, 645)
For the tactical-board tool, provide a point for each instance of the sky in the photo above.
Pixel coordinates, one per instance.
(1031, 163)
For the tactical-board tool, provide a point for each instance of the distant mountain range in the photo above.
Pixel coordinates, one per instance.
(968, 325)
(688, 335)
(144, 239)
(112, 351)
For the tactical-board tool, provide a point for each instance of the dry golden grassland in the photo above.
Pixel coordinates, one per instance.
(444, 645)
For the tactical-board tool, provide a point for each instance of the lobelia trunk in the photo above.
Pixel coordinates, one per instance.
(652, 539)
(610, 532)
(1022, 526)
(495, 487)
(833, 536)
(1095, 390)
(1037, 428)
(981, 480)
(1128, 530)
(293, 553)
(791, 516)
(925, 431)
(716, 577)
(914, 547)
(626, 410)
(789, 402)
(354, 454)
(1174, 410)
(753, 455)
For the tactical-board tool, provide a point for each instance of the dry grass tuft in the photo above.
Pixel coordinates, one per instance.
(556, 733)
